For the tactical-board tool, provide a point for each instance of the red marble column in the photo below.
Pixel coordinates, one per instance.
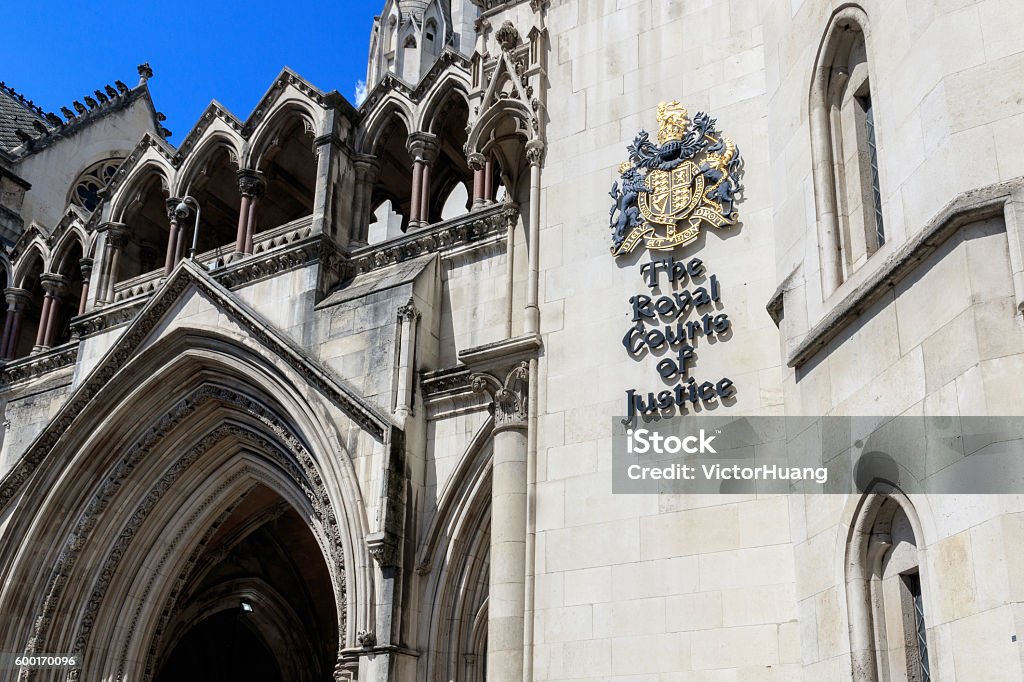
(417, 182)
(55, 286)
(172, 237)
(44, 316)
(18, 301)
(489, 180)
(425, 195)
(250, 185)
(86, 265)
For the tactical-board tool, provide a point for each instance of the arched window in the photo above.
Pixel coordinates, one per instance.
(430, 41)
(85, 192)
(848, 195)
(885, 594)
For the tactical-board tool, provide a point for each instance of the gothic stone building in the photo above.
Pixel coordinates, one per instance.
(328, 392)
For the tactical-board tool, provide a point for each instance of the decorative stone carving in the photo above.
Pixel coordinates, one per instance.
(507, 36)
(510, 398)
(250, 182)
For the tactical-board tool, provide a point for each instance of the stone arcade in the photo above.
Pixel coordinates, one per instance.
(365, 433)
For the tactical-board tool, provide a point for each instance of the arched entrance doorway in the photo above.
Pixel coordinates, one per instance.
(256, 604)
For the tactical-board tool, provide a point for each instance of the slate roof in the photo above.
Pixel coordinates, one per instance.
(16, 113)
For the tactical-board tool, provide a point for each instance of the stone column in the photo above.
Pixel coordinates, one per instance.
(44, 316)
(408, 317)
(18, 301)
(414, 202)
(170, 259)
(56, 287)
(535, 155)
(489, 180)
(116, 235)
(250, 185)
(478, 165)
(367, 169)
(507, 597)
(86, 266)
(423, 148)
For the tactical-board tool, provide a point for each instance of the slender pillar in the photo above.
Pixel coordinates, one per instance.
(243, 221)
(507, 596)
(478, 166)
(116, 235)
(489, 180)
(56, 287)
(367, 169)
(408, 317)
(425, 195)
(86, 266)
(173, 236)
(535, 155)
(18, 301)
(184, 237)
(423, 148)
(250, 185)
(44, 317)
(414, 203)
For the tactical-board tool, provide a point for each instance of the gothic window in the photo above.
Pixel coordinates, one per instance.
(86, 190)
(430, 37)
(844, 125)
(410, 42)
(886, 594)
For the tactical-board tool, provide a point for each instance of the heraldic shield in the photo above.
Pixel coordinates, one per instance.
(690, 176)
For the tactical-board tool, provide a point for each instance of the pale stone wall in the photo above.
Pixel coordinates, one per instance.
(53, 170)
(646, 586)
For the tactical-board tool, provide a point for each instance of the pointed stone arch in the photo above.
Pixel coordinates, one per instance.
(232, 397)
(455, 563)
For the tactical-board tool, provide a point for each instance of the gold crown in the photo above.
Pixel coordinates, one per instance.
(673, 120)
(624, 166)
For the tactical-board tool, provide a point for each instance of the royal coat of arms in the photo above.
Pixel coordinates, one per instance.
(668, 189)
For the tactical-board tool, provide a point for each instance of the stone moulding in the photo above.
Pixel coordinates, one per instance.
(444, 236)
(38, 364)
(970, 207)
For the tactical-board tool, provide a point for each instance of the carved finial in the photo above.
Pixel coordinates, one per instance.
(145, 73)
(507, 36)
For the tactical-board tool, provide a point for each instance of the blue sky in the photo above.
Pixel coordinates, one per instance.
(54, 53)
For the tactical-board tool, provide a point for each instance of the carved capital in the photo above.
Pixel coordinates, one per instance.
(423, 146)
(510, 398)
(85, 265)
(367, 168)
(17, 299)
(535, 152)
(250, 182)
(408, 311)
(172, 205)
(476, 161)
(53, 284)
(117, 234)
(383, 547)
